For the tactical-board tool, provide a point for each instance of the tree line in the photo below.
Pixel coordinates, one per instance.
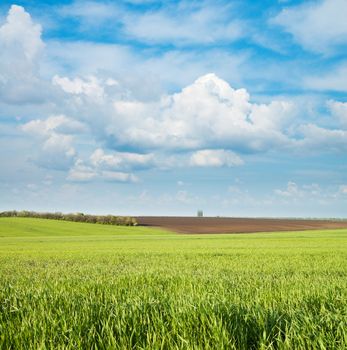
(76, 217)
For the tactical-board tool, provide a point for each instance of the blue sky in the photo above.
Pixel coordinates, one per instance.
(152, 107)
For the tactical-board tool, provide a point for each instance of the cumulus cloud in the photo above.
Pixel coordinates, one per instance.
(206, 114)
(20, 48)
(20, 33)
(318, 26)
(89, 87)
(215, 158)
(55, 137)
(208, 118)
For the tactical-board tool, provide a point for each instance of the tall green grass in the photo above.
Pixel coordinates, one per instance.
(70, 285)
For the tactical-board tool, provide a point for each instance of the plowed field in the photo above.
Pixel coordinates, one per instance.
(236, 225)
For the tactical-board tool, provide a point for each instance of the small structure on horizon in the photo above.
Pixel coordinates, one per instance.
(200, 214)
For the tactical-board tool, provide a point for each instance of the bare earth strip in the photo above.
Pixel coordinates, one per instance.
(236, 225)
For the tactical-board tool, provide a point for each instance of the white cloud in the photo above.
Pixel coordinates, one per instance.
(206, 114)
(56, 152)
(59, 124)
(118, 176)
(91, 13)
(207, 123)
(339, 110)
(319, 26)
(109, 167)
(292, 190)
(121, 160)
(215, 158)
(179, 24)
(20, 49)
(81, 172)
(310, 193)
(56, 135)
(184, 24)
(90, 87)
(21, 34)
(167, 70)
(325, 140)
(333, 79)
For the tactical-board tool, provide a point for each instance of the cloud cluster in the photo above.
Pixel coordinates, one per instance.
(208, 123)
(182, 23)
(295, 193)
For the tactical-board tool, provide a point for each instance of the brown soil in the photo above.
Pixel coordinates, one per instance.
(236, 225)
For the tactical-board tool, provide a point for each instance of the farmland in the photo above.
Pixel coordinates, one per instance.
(68, 285)
(236, 225)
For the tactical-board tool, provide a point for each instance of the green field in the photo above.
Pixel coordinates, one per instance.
(66, 285)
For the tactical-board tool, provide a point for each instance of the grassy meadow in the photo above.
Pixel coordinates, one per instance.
(66, 285)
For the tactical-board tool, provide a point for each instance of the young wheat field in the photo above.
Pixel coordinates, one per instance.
(66, 285)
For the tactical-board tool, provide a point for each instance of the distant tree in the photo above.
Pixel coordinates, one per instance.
(77, 217)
